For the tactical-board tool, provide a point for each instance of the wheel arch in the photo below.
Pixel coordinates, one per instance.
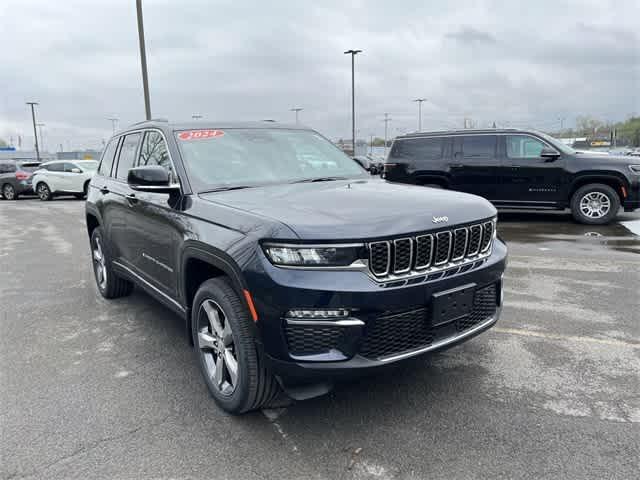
(201, 262)
(617, 182)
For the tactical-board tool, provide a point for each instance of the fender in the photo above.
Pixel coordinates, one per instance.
(599, 176)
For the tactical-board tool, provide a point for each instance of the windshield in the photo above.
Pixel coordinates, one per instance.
(90, 165)
(252, 157)
(566, 149)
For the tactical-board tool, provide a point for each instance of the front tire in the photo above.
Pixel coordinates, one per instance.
(595, 204)
(226, 350)
(9, 192)
(44, 192)
(109, 284)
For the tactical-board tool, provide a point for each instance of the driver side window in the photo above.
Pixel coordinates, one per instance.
(154, 152)
(523, 146)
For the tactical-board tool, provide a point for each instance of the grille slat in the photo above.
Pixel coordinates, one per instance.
(437, 251)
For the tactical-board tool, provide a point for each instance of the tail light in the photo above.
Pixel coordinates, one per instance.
(20, 175)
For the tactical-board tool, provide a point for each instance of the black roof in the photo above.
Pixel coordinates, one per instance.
(204, 124)
(465, 131)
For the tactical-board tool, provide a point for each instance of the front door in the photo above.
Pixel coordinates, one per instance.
(474, 165)
(528, 177)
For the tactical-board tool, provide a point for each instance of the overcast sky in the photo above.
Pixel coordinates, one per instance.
(518, 63)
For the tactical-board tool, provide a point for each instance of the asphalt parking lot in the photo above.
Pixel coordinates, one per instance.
(109, 389)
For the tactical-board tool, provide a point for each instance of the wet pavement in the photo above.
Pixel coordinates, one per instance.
(109, 389)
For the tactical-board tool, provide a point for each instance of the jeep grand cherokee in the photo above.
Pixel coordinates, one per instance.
(289, 264)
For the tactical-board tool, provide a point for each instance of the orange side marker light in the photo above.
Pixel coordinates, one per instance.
(252, 308)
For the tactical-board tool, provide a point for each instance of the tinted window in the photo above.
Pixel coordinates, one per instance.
(127, 155)
(154, 151)
(55, 167)
(69, 166)
(479, 146)
(107, 158)
(418, 148)
(7, 167)
(523, 146)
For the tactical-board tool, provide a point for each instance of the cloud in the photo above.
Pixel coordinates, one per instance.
(489, 60)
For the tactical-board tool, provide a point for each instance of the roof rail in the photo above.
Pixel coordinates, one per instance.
(151, 120)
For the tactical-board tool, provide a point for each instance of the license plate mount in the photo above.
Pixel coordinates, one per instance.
(450, 305)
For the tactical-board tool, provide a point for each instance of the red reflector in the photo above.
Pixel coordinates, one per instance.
(22, 175)
(624, 191)
(252, 308)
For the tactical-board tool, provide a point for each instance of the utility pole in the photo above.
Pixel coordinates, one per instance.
(40, 125)
(386, 124)
(114, 122)
(297, 110)
(353, 54)
(196, 116)
(371, 145)
(35, 134)
(420, 100)
(561, 123)
(143, 61)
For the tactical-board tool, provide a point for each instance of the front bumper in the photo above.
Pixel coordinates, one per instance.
(632, 200)
(360, 345)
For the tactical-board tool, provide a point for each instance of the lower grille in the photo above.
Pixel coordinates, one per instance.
(312, 339)
(398, 332)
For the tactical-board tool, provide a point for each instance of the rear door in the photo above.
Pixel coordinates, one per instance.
(417, 160)
(526, 176)
(120, 219)
(474, 165)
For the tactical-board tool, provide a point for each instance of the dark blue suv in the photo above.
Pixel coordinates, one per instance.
(289, 263)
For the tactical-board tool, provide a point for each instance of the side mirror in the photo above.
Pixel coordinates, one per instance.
(549, 154)
(76, 170)
(151, 178)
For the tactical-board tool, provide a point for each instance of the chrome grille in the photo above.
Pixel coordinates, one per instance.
(430, 252)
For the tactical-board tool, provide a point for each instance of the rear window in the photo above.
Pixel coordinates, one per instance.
(418, 149)
(29, 166)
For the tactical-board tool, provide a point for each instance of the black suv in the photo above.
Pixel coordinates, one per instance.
(289, 263)
(518, 169)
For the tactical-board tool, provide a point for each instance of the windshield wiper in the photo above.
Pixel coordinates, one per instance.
(225, 189)
(320, 179)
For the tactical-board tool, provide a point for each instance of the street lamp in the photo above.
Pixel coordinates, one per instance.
(297, 110)
(353, 54)
(35, 134)
(386, 125)
(420, 100)
(40, 125)
(143, 60)
(114, 123)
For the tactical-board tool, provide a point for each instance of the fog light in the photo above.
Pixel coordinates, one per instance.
(333, 313)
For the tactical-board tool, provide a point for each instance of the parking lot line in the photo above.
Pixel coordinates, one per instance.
(571, 338)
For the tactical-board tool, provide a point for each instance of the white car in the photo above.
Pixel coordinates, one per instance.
(63, 177)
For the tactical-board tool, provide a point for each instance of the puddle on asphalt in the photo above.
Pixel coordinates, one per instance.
(560, 229)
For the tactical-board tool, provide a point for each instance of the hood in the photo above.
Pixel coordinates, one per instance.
(605, 159)
(357, 209)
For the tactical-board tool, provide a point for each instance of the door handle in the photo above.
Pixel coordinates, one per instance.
(131, 198)
(104, 190)
(455, 165)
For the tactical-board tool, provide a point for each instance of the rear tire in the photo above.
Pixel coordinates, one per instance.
(9, 192)
(224, 341)
(595, 204)
(44, 192)
(109, 284)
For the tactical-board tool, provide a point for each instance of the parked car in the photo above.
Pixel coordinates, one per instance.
(518, 169)
(64, 177)
(369, 163)
(285, 275)
(15, 178)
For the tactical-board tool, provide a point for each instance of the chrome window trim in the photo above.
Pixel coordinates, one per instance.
(395, 242)
(466, 243)
(431, 242)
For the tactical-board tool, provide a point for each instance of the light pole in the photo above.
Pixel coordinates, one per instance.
(297, 110)
(196, 116)
(114, 122)
(143, 61)
(371, 145)
(40, 125)
(419, 100)
(386, 124)
(353, 54)
(35, 134)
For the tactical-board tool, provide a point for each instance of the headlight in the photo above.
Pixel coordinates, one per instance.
(635, 169)
(313, 255)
